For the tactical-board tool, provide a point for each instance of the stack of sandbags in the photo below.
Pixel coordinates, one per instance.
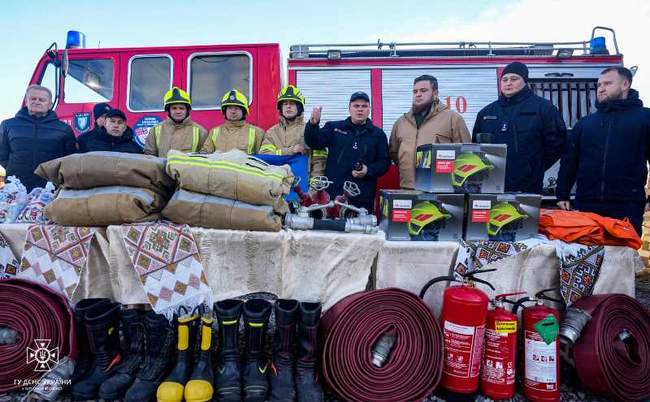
(229, 190)
(106, 188)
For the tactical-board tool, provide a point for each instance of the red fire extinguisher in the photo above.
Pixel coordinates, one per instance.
(541, 348)
(498, 372)
(464, 311)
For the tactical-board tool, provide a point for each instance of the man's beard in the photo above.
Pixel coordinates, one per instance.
(612, 97)
(423, 107)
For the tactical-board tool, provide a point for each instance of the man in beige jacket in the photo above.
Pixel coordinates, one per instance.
(427, 122)
(235, 133)
(288, 136)
(178, 131)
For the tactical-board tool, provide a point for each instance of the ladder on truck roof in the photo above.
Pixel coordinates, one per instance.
(595, 46)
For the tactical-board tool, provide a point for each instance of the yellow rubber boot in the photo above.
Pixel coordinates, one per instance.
(199, 388)
(173, 388)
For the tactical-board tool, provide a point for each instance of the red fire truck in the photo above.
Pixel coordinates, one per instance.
(135, 79)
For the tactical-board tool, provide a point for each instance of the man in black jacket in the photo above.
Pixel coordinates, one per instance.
(34, 136)
(357, 150)
(530, 125)
(608, 152)
(114, 136)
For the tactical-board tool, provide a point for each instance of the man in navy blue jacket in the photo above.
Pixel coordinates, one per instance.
(608, 153)
(530, 125)
(357, 149)
(114, 136)
(34, 136)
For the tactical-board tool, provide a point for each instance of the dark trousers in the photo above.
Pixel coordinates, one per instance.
(615, 209)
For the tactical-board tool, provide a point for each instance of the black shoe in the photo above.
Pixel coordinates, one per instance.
(133, 329)
(308, 387)
(103, 330)
(256, 365)
(227, 379)
(84, 356)
(160, 339)
(283, 386)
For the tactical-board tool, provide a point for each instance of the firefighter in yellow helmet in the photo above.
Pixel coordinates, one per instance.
(288, 136)
(234, 133)
(178, 131)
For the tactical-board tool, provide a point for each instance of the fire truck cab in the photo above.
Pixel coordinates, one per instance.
(135, 80)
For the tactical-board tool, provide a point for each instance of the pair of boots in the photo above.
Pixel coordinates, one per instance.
(113, 374)
(190, 380)
(293, 318)
(251, 375)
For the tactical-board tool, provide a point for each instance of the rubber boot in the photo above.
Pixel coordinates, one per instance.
(133, 330)
(160, 339)
(227, 379)
(283, 386)
(255, 370)
(199, 388)
(173, 388)
(102, 327)
(308, 387)
(84, 356)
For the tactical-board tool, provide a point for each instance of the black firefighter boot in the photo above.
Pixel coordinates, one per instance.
(227, 379)
(102, 325)
(283, 386)
(256, 364)
(199, 388)
(307, 385)
(84, 357)
(160, 339)
(133, 330)
(173, 388)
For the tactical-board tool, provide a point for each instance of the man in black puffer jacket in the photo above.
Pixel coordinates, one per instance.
(357, 150)
(34, 136)
(114, 136)
(530, 125)
(608, 153)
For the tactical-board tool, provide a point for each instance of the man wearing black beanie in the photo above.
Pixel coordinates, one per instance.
(530, 125)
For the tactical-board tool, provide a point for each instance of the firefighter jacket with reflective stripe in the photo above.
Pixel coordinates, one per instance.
(234, 135)
(440, 125)
(184, 137)
(286, 134)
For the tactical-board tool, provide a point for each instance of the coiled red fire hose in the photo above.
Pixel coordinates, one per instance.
(354, 325)
(612, 354)
(34, 312)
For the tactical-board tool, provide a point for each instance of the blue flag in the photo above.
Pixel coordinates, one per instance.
(299, 165)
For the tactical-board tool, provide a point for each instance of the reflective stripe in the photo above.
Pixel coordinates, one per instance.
(271, 148)
(319, 152)
(215, 135)
(156, 133)
(226, 165)
(251, 140)
(195, 138)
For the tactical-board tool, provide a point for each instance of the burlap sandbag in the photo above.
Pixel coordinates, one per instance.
(103, 206)
(220, 213)
(98, 169)
(233, 175)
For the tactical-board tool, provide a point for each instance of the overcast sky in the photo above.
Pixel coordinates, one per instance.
(28, 28)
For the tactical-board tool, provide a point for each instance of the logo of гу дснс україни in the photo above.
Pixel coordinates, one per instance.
(44, 357)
